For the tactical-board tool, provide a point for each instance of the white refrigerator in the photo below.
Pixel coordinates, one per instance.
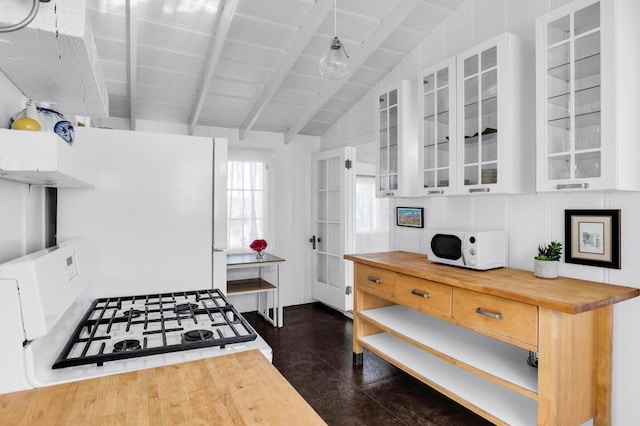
(156, 218)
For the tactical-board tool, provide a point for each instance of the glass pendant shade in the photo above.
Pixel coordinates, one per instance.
(333, 63)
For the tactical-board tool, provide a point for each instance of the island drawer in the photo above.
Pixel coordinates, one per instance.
(375, 279)
(424, 295)
(496, 316)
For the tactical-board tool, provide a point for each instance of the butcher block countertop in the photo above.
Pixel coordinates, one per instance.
(561, 294)
(237, 389)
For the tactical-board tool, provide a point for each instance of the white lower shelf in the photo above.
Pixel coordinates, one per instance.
(502, 403)
(499, 359)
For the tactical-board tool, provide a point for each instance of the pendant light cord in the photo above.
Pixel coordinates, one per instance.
(335, 18)
(336, 42)
(26, 21)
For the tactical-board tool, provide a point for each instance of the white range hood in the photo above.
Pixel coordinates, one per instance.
(42, 158)
(54, 59)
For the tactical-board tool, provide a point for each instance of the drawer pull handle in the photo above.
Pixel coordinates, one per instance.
(472, 190)
(421, 294)
(573, 186)
(373, 280)
(488, 314)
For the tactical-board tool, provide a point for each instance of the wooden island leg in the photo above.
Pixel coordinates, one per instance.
(363, 301)
(604, 353)
(357, 328)
(567, 367)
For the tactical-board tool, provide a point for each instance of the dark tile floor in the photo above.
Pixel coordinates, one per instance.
(313, 352)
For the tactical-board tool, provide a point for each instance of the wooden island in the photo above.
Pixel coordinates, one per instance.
(242, 388)
(469, 334)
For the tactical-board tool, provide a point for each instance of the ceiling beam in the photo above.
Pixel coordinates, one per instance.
(380, 33)
(221, 29)
(132, 44)
(309, 27)
(440, 5)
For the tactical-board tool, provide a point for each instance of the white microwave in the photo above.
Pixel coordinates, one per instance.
(473, 249)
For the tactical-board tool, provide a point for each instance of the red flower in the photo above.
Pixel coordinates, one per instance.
(258, 245)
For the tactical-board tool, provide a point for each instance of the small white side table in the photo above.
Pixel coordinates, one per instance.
(258, 285)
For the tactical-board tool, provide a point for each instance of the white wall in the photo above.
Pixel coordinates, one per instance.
(529, 219)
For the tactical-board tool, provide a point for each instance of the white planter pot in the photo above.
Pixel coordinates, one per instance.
(545, 268)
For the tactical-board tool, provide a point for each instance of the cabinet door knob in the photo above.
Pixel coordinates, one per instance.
(421, 294)
(481, 311)
(374, 280)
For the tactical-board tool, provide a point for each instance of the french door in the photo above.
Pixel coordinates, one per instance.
(334, 233)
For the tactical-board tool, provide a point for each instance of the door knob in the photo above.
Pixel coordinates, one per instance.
(313, 240)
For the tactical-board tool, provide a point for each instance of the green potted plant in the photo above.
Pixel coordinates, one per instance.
(548, 259)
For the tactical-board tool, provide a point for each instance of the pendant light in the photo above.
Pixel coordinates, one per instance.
(333, 63)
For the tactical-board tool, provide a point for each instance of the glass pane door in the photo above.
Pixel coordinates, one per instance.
(389, 135)
(436, 126)
(480, 148)
(383, 128)
(333, 227)
(573, 95)
(393, 140)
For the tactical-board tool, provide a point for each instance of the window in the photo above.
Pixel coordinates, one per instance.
(246, 203)
(372, 214)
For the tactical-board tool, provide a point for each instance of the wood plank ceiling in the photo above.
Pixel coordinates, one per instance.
(250, 64)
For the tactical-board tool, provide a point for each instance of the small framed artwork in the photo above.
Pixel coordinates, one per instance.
(412, 217)
(592, 237)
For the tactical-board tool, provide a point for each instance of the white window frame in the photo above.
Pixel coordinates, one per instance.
(266, 159)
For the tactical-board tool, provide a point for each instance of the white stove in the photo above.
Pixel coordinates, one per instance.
(53, 333)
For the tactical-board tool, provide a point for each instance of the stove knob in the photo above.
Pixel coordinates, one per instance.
(472, 252)
(472, 262)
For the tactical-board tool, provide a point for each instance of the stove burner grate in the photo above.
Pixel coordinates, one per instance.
(221, 325)
(127, 345)
(197, 336)
(132, 313)
(185, 307)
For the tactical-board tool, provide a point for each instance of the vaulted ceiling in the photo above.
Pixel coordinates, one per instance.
(250, 64)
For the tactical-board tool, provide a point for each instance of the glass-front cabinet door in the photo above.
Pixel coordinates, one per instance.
(495, 129)
(573, 120)
(388, 137)
(583, 75)
(438, 133)
(397, 140)
(480, 118)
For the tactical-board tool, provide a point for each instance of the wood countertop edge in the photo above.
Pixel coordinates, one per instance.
(622, 293)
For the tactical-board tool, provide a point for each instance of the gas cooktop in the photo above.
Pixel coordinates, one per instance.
(135, 326)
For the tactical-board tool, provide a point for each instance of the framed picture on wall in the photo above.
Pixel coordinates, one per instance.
(412, 217)
(592, 237)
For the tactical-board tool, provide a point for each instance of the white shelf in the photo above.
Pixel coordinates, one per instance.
(31, 58)
(506, 405)
(494, 357)
(42, 158)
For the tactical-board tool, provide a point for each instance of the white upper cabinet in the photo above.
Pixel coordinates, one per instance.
(587, 90)
(397, 137)
(495, 125)
(437, 89)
